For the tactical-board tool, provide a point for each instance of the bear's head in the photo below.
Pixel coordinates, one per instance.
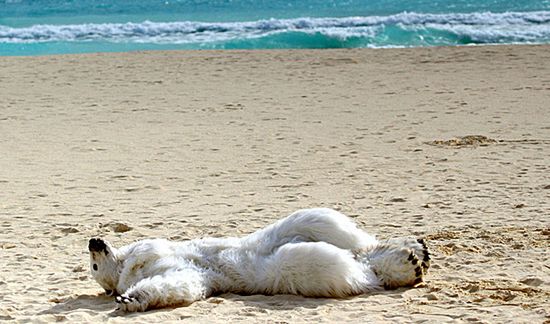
(104, 265)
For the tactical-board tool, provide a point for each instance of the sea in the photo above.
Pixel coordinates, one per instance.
(43, 27)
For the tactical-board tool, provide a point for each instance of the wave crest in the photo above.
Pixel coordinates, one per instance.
(475, 27)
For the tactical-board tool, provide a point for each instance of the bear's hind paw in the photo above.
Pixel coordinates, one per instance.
(397, 266)
(418, 246)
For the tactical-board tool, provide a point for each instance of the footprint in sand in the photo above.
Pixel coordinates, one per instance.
(464, 141)
(117, 227)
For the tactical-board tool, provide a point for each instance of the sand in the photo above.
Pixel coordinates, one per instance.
(188, 144)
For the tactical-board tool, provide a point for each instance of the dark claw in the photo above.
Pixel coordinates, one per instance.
(421, 241)
(417, 281)
(414, 261)
(418, 271)
(123, 300)
(426, 256)
(411, 256)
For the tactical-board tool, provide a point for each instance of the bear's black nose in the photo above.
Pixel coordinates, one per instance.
(97, 245)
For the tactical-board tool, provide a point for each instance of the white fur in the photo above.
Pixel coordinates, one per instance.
(313, 252)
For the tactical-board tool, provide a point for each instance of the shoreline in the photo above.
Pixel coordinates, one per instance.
(281, 49)
(187, 144)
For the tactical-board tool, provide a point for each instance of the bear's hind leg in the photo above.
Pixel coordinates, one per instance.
(317, 269)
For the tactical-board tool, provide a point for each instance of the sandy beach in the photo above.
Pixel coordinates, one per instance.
(187, 144)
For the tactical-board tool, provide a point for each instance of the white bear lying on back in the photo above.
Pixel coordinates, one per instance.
(313, 252)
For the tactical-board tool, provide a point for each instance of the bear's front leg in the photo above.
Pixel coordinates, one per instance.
(174, 287)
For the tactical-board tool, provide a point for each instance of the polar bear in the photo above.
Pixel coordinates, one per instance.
(313, 252)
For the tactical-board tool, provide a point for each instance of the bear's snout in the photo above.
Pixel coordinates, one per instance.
(97, 245)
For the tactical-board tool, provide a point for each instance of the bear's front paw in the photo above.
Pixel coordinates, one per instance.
(129, 304)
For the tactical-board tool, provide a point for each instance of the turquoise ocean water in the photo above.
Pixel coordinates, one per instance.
(38, 27)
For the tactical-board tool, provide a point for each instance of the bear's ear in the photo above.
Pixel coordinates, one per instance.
(97, 245)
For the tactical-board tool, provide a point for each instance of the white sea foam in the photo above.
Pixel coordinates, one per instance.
(479, 27)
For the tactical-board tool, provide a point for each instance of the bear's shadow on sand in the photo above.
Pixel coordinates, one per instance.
(290, 302)
(273, 302)
(99, 303)
(103, 303)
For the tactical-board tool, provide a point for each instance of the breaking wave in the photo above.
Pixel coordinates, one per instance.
(404, 29)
